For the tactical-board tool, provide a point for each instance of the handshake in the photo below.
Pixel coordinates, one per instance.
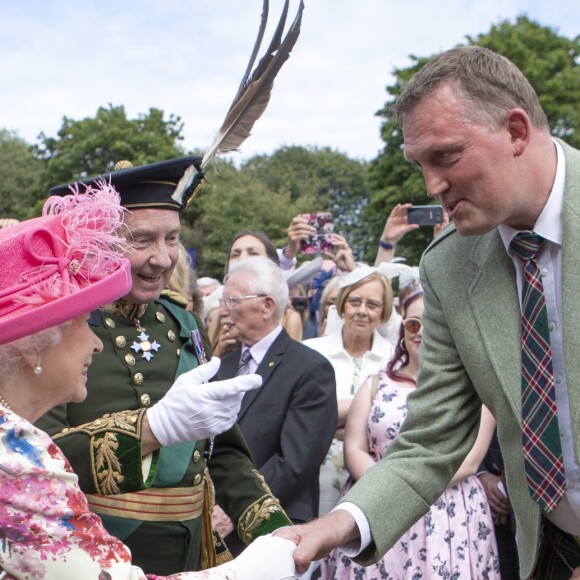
(195, 409)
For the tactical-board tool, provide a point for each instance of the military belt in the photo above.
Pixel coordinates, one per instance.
(156, 504)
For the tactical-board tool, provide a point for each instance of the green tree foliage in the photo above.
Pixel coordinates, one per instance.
(550, 62)
(266, 192)
(21, 173)
(93, 145)
(318, 179)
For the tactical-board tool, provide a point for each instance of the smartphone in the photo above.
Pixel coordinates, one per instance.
(425, 215)
(322, 240)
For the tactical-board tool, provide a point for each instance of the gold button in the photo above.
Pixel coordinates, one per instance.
(178, 352)
(145, 400)
(97, 422)
(171, 335)
(129, 359)
(160, 316)
(110, 322)
(196, 456)
(65, 429)
(138, 379)
(121, 342)
(197, 479)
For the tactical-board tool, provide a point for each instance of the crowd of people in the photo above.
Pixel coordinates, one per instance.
(370, 334)
(319, 416)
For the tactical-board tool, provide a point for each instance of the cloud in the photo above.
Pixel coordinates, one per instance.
(187, 58)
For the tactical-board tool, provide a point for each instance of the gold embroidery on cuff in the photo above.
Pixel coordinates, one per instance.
(107, 466)
(126, 422)
(256, 514)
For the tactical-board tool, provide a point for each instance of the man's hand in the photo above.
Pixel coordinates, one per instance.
(498, 502)
(194, 409)
(318, 538)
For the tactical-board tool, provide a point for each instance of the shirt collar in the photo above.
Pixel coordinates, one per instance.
(259, 350)
(549, 223)
(337, 346)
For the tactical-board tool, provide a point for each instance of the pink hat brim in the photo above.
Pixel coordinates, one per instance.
(97, 294)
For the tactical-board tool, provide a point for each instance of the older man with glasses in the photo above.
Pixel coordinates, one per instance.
(290, 424)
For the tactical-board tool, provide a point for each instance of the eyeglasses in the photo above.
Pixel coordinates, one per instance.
(371, 305)
(412, 325)
(232, 301)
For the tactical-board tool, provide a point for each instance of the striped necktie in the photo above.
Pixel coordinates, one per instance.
(244, 364)
(541, 436)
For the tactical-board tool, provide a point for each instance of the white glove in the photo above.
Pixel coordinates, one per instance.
(194, 409)
(266, 558)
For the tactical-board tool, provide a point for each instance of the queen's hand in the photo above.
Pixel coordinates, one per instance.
(266, 558)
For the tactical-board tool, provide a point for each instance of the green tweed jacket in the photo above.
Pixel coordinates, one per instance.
(471, 355)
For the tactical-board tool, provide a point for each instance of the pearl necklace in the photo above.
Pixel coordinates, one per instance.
(4, 403)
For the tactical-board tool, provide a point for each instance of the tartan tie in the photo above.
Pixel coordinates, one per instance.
(541, 436)
(244, 364)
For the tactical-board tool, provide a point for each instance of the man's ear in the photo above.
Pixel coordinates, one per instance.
(269, 307)
(519, 127)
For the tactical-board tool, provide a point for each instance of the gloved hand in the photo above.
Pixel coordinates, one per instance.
(194, 409)
(266, 558)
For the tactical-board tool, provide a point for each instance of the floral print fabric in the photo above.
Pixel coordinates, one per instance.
(454, 540)
(46, 528)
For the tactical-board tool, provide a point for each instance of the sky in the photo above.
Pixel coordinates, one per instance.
(67, 58)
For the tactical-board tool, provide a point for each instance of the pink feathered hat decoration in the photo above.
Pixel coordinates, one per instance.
(64, 264)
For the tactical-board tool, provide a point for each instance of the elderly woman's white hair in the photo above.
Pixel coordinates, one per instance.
(13, 355)
(265, 278)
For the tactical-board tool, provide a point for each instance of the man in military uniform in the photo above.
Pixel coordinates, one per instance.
(146, 469)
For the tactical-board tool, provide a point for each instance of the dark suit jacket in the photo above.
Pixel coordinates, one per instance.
(289, 421)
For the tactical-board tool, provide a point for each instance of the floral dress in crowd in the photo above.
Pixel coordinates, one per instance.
(454, 540)
(46, 528)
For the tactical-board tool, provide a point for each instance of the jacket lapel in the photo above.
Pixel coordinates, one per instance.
(229, 366)
(571, 279)
(273, 358)
(495, 304)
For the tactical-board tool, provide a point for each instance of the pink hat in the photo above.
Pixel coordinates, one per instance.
(62, 265)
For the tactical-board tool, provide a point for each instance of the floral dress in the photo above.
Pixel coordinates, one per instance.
(454, 540)
(46, 528)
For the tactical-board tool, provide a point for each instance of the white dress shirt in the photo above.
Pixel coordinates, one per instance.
(259, 350)
(549, 225)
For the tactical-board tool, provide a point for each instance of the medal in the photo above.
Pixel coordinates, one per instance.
(198, 347)
(145, 346)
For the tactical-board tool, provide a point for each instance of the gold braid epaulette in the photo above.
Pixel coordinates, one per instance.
(126, 422)
(175, 297)
(104, 443)
(263, 516)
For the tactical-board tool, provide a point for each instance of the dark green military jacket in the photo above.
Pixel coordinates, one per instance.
(101, 437)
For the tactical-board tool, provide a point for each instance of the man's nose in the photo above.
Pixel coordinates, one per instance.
(435, 183)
